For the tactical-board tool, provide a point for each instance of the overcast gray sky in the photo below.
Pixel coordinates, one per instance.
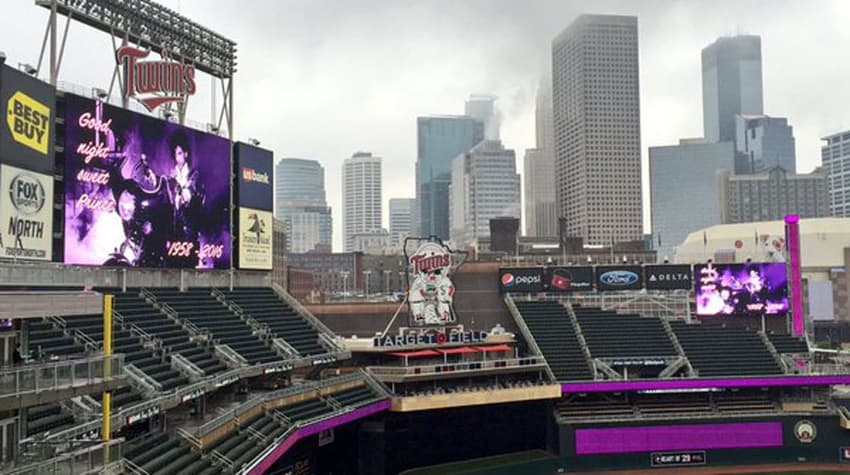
(323, 79)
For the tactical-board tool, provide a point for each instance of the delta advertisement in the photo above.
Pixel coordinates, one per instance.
(521, 279)
(569, 279)
(255, 239)
(26, 135)
(741, 289)
(142, 192)
(668, 277)
(26, 214)
(619, 277)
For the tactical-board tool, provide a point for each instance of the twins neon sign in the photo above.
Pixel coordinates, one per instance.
(154, 83)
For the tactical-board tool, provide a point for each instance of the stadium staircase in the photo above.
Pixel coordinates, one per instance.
(552, 332)
(264, 306)
(204, 311)
(716, 351)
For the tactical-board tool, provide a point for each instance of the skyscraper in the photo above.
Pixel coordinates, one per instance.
(361, 196)
(485, 185)
(440, 139)
(763, 143)
(596, 108)
(300, 202)
(401, 210)
(683, 189)
(731, 85)
(541, 214)
(483, 108)
(772, 195)
(835, 156)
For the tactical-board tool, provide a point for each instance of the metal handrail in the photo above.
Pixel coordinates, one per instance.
(220, 458)
(69, 462)
(271, 448)
(139, 376)
(133, 468)
(285, 348)
(526, 333)
(530, 362)
(304, 313)
(88, 342)
(580, 337)
(187, 367)
(256, 434)
(229, 354)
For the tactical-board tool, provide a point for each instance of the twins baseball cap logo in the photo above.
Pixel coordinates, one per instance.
(28, 121)
(251, 175)
(154, 83)
(27, 194)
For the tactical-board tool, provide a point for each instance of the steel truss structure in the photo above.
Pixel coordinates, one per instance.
(148, 25)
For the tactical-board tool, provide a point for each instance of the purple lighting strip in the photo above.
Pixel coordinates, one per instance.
(792, 235)
(645, 385)
(311, 429)
(623, 440)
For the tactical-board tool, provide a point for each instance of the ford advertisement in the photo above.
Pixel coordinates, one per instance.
(619, 278)
(569, 279)
(750, 289)
(521, 279)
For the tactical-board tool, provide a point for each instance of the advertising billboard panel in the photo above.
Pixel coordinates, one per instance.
(254, 176)
(27, 131)
(142, 192)
(26, 214)
(668, 277)
(569, 279)
(741, 289)
(619, 277)
(255, 239)
(521, 279)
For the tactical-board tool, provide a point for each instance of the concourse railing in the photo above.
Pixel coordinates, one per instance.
(58, 375)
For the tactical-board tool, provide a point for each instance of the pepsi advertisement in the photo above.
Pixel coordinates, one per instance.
(619, 277)
(668, 277)
(750, 289)
(142, 192)
(254, 176)
(569, 279)
(521, 279)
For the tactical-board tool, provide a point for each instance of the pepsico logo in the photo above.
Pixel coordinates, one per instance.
(508, 280)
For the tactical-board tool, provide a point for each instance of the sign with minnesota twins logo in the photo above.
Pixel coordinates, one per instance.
(619, 277)
(26, 214)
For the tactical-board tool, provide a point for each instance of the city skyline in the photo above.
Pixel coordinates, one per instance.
(313, 107)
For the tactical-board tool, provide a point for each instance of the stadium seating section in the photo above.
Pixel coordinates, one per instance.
(714, 350)
(649, 406)
(263, 305)
(174, 339)
(49, 417)
(785, 343)
(201, 308)
(164, 455)
(612, 335)
(553, 331)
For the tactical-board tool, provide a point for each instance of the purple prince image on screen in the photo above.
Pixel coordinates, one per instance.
(741, 289)
(142, 192)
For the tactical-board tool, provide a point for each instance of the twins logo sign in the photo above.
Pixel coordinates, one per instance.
(431, 287)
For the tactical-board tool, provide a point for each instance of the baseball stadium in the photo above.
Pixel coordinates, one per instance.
(149, 323)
